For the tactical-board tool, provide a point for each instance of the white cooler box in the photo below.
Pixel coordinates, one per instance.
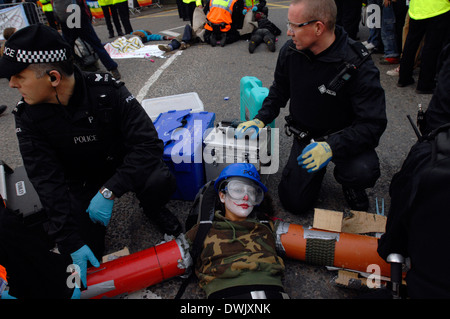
(154, 107)
(221, 149)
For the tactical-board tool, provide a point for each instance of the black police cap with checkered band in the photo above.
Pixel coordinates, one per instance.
(36, 43)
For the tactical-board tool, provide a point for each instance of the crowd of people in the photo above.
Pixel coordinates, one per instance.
(337, 114)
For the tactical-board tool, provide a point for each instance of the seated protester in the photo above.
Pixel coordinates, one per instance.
(223, 23)
(418, 219)
(238, 258)
(265, 32)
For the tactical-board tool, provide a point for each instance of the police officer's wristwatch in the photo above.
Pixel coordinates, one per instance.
(108, 194)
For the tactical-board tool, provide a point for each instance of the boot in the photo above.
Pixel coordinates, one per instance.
(166, 221)
(213, 40)
(356, 198)
(252, 46)
(223, 40)
(270, 43)
(111, 35)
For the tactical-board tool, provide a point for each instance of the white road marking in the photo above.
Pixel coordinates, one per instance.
(144, 90)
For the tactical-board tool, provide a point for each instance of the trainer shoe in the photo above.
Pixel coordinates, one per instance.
(165, 47)
(184, 45)
(356, 198)
(386, 61)
(394, 72)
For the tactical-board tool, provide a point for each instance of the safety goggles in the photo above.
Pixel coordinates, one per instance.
(293, 26)
(238, 189)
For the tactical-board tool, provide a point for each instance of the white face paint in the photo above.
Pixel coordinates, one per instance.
(236, 209)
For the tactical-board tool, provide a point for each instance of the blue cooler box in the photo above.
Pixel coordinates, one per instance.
(182, 133)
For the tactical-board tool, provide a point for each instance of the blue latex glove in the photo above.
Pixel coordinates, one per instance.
(80, 258)
(76, 294)
(244, 12)
(254, 124)
(100, 209)
(315, 156)
(255, 8)
(6, 295)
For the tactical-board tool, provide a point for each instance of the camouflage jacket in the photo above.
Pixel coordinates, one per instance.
(237, 253)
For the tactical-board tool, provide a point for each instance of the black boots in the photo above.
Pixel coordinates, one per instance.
(356, 198)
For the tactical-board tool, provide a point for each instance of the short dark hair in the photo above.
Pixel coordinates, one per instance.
(66, 68)
(323, 10)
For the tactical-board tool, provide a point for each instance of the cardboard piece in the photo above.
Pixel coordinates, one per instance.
(327, 220)
(362, 222)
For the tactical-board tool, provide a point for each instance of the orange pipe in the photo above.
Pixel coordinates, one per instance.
(134, 272)
(351, 251)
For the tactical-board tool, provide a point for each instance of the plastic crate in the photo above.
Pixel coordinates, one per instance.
(187, 101)
(183, 152)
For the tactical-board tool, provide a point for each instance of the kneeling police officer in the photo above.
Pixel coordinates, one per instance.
(85, 140)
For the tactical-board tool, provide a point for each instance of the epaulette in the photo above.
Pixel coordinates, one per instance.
(103, 79)
(360, 50)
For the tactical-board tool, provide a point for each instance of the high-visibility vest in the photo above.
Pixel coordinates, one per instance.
(103, 3)
(424, 9)
(220, 11)
(46, 5)
(251, 3)
(118, 1)
(197, 2)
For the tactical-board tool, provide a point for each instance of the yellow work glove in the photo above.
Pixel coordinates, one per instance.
(315, 156)
(254, 125)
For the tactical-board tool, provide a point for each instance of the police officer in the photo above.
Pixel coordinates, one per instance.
(337, 108)
(85, 141)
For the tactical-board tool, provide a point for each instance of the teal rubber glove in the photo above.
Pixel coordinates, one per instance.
(6, 295)
(100, 209)
(255, 8)
(80, 258)
(244, 12)
(315, 156)
(76, 293)
(254, 125)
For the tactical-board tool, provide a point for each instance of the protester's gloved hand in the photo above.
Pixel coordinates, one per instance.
(244, 12)
(254, 124)
(100, 209)
(6, 295)
(255, 8)
(80, 258)
(315, 156)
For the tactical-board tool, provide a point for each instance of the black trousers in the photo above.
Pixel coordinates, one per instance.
(436, 32)
(349, 16)
(124, 15)
(108, 12)
(298, 189)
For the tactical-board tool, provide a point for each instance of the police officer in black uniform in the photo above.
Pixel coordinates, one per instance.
(85, 140)
(337, 108)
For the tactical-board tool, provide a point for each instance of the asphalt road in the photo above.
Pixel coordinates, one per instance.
(214, 73)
